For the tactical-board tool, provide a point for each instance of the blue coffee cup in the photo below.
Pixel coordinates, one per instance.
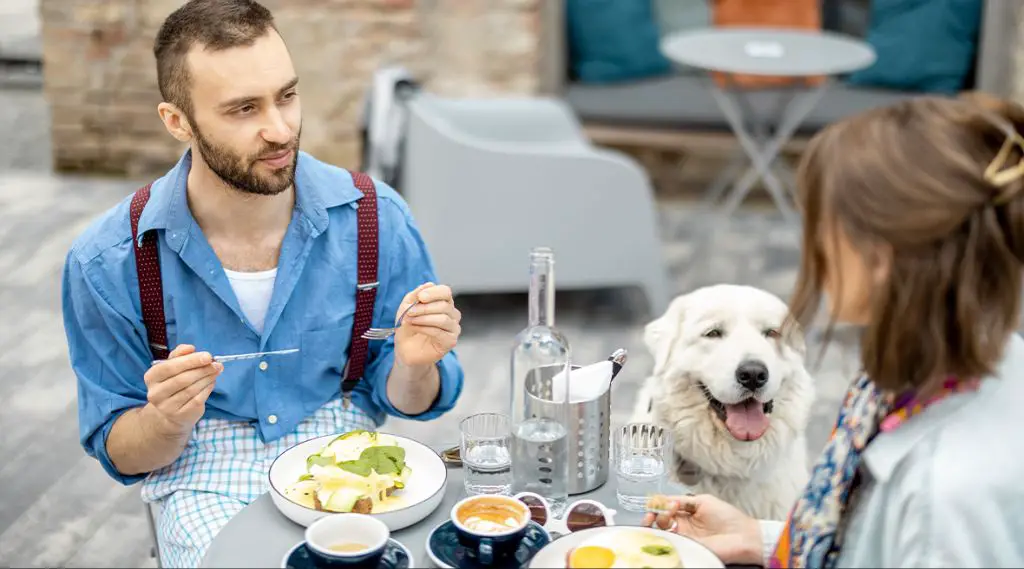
(490, 526)
(348, 540)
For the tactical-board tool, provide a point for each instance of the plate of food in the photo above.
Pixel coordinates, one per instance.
(393, 478)
(625, 546)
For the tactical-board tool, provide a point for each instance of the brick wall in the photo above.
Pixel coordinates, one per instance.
(100, 77)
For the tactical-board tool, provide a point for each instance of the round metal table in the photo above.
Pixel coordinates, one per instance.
(260, 535)
(765, 52)
(768, 51)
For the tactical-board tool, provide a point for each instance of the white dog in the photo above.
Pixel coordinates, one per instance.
(730, 384)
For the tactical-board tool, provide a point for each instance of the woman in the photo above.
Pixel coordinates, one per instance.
(913, 230)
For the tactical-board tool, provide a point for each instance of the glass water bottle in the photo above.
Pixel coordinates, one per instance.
(540, 444)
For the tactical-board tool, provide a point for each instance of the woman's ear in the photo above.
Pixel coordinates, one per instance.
(881, 263)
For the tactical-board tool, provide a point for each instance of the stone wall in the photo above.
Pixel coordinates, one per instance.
(100, 77)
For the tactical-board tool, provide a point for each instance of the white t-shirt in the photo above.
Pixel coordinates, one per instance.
(253, 291)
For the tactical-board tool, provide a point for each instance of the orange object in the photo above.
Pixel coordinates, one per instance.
(591, 557)
(793, 14)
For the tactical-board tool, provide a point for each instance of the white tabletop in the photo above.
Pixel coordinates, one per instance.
(768, 51)
(260, 535)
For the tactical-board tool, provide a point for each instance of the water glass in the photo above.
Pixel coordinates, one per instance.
(640, 455)
(486, 453)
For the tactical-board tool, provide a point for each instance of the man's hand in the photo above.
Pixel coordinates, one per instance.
(146, 438)
(430, 329)
(177, 389)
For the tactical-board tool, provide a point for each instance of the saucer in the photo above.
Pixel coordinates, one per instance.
(396, 556)
(446, 552)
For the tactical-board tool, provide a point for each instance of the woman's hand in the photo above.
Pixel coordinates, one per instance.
(729, 533)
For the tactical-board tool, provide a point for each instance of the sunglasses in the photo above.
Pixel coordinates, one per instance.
(579, 515)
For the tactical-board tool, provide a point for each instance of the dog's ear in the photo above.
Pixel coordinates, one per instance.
(661, 334)
(796, 340)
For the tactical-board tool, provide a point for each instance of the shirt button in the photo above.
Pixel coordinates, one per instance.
(272, 419)
(264, 366)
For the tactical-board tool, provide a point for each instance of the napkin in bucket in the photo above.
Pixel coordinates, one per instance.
(586, 383)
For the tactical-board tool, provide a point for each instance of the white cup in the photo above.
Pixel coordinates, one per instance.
(323, 535)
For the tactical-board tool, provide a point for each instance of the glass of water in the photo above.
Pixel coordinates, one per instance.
(640, 455)
(486, 453)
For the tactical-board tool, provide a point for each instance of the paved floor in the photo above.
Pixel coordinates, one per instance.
(58, 508)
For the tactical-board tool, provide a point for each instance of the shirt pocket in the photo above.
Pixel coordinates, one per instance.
(324, 353)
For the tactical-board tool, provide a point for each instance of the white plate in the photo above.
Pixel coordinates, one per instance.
(422, 494)
(691, 553)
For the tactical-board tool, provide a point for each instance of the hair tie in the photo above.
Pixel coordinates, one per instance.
(999, 174)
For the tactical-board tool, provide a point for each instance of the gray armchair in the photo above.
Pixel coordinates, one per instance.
(489, 179)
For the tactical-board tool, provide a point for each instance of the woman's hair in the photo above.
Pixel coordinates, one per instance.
(921, 181)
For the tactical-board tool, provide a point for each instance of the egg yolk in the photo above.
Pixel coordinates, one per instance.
(591, 557)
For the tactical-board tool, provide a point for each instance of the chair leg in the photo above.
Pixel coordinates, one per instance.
(154, 551)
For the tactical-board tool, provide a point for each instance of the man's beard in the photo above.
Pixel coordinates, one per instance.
(240, 172)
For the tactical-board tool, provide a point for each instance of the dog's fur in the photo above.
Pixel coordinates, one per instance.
(762, 477)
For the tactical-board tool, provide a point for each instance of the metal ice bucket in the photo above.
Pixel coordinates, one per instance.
(589, 429)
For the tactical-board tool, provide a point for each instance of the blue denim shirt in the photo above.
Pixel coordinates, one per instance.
(311, 308)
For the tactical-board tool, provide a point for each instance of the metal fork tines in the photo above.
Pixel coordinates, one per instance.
(239, 357)
(385, 333)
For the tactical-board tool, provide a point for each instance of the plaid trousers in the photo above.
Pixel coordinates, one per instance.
(222, 469)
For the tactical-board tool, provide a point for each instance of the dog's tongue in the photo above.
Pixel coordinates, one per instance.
(746, 421)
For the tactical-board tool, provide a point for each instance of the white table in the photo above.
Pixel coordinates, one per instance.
(766, 52)
(260, 535)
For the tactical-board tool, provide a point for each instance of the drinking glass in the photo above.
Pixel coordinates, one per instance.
(486, 453)
(640, 455)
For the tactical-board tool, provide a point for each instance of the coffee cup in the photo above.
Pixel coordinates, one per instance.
(490, 526)
(354, 540)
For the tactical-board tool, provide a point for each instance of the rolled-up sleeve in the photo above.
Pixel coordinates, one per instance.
(107, 358)
(407, 265)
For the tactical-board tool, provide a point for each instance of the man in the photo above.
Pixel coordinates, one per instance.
(246, 245)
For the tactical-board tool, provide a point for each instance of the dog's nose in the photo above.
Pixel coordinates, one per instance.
(752, 374)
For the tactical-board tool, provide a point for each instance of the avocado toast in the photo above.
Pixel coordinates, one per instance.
(356, 472)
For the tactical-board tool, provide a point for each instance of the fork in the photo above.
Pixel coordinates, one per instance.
(385, 333)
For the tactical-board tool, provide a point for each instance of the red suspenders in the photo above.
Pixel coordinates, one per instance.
(147, 264)
(151, 289)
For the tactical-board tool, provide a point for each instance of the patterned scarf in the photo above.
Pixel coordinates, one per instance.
(812, 536)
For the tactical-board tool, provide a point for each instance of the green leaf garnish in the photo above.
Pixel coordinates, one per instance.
(358, 467)
(319, 461)
(383, 460)
(656, 549)
(305, 477)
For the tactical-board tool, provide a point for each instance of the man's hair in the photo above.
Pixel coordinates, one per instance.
(212, 24)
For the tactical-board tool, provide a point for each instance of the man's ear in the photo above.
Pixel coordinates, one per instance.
(175, 121)
(661, 334)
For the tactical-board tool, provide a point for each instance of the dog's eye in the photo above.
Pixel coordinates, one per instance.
(713, 333)
(772, 333)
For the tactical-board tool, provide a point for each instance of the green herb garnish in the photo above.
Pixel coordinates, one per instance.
(305, 477)
(383, 460)
(656, 549)
(359, 467)
(318, 460)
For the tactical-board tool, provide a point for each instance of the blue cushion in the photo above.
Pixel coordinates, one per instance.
(922, 45)
(613, 40)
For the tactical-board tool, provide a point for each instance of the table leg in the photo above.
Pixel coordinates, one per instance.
(763, 155)
(724, 179)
